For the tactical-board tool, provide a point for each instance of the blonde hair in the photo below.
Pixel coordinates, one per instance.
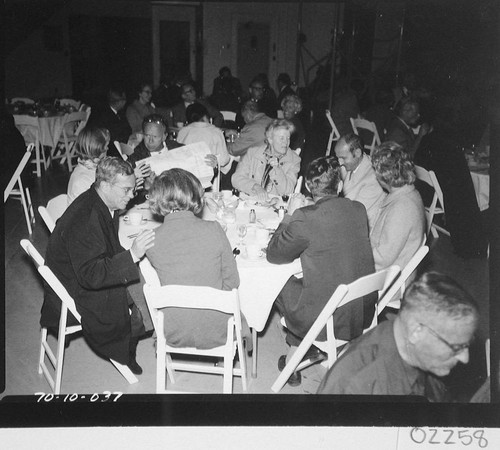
(91, 143)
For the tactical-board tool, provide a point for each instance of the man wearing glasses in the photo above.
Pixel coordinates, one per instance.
(408, 355)
(85, 254)
(177, 115)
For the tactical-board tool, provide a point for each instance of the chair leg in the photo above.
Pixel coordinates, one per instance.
(61, 338)
(31, 212)
(37, 160)
(170, 368)
(25, 205)
(434, 232)
(254, 354)
(43, 339)
(125, 371)
(228, 372)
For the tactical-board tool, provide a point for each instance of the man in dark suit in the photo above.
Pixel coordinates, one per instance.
(284, 87)
(85, 254)
(111, 118)
(331, 239)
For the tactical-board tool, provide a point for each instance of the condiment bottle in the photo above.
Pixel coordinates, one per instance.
(252, 218)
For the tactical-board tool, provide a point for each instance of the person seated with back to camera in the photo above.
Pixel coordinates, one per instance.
(271, 168)
(199, 129)
(331, 239)
(410, 353)
(91, 146)
(190, 251)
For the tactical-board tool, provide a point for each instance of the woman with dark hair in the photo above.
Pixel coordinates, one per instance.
(271, 168)
(190, 251)
(199, 129)
(91, 146)
(140, 107)
(331, 239)
(400, 225)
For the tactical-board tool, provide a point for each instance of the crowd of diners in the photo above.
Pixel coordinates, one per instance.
(357, 214)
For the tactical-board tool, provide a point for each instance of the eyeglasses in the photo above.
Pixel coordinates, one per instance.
(147, 91)
(455, 348)
(188, 91)
(257, 88)
(126, 190)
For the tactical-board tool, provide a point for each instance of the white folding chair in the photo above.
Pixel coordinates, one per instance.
(298, 185)
(228, 115)
(74, 123)
(25, 100)
(378, 281)
(123, 149)
(392, 297)
(21, 193)
(67, 304)
(334, 135)
(70, 102)
(437, 204)
(30, 129)
(298, 151)
(367, 125)
(54, 209)
(279, 114)
(194, 297)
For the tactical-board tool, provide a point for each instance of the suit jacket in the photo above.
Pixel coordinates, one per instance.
(362, 185)
(191, 251)
(400, 226)
(136, 112)
(399, 132)
(331, 239)
(287, 90)
(85, 254)
(178, 113)
(250, 171)
(117, 125)
(253, 134)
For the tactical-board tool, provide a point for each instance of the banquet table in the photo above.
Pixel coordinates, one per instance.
(49, 129)
(480, 174)
(260, 281)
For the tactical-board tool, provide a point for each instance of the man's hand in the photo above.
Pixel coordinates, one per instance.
(259, 192)
(296, 201)
(211, 160)
(144, 241)
(274, 161)
(142, 170)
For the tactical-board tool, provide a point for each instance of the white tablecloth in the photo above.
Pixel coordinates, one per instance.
(50, 129)
(260, 281)
(481, 181)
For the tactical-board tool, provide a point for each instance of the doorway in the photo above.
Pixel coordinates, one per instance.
(253, 50)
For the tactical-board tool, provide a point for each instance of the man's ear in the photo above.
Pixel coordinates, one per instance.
(415, 331)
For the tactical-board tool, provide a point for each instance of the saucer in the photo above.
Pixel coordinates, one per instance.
(127, 221)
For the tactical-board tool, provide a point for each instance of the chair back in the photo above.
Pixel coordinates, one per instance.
(334, 135)
(17, 173)
(298, 185)
(378, 281)
(123, 149)
(25, 100)
(70, 102)
(75, 122)
(228, 115)
(367, 125)
(50, 278)
(437, 203)
(55, 208)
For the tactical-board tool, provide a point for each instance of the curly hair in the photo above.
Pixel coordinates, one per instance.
(323, 176)
(393, 166)
(278, 124)
(110, 167)
(292, 100)
(176, 190)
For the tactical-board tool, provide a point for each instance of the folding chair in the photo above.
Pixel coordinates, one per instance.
(74, 123)
(279, 114)
(369, 126)
(25, 100)
(437, 204)
(69, 101)
(378, 281)
(194, 297)
(21, 193)
(229, 115)
(334, 135)
(30, 129)
(54, 209)
(298, 151)
(67, 304)
(123, 149)
(298, 185)
(395, 293)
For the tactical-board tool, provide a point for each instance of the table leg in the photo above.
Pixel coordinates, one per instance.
(254, 353)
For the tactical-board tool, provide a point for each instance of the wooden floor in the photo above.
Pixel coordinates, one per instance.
(85, 372)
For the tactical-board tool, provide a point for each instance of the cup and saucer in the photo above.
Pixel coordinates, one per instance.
(134, 219)
(254, 252)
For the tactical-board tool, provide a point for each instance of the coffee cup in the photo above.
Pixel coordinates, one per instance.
(254, 251)
(133, 218)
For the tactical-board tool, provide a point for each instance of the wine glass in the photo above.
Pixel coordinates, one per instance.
(242, 231)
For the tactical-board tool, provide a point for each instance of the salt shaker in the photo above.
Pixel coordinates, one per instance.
(281, 212)
(252, 218)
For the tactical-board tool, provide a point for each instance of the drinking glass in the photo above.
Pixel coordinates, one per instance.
(242, 231)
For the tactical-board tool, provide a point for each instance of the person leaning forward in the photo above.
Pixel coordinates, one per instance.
(85, 254)
(409, 354)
